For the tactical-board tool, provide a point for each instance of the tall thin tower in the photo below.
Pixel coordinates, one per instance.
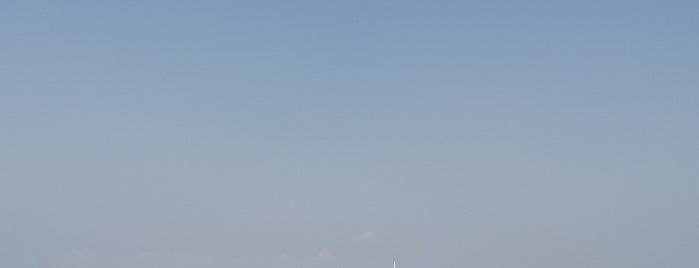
(394, 263)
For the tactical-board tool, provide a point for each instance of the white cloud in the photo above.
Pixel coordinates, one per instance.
(367, 236)
(325, 255)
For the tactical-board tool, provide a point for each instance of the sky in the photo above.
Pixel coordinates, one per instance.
(347, 134)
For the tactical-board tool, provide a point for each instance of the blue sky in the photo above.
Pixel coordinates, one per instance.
(329, 134)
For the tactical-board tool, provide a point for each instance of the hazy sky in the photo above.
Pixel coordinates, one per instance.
(344, 134)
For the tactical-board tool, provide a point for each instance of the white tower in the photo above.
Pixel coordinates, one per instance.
(394, 264)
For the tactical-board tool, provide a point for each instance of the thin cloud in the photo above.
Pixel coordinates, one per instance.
(367, 236)
(325, 255)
